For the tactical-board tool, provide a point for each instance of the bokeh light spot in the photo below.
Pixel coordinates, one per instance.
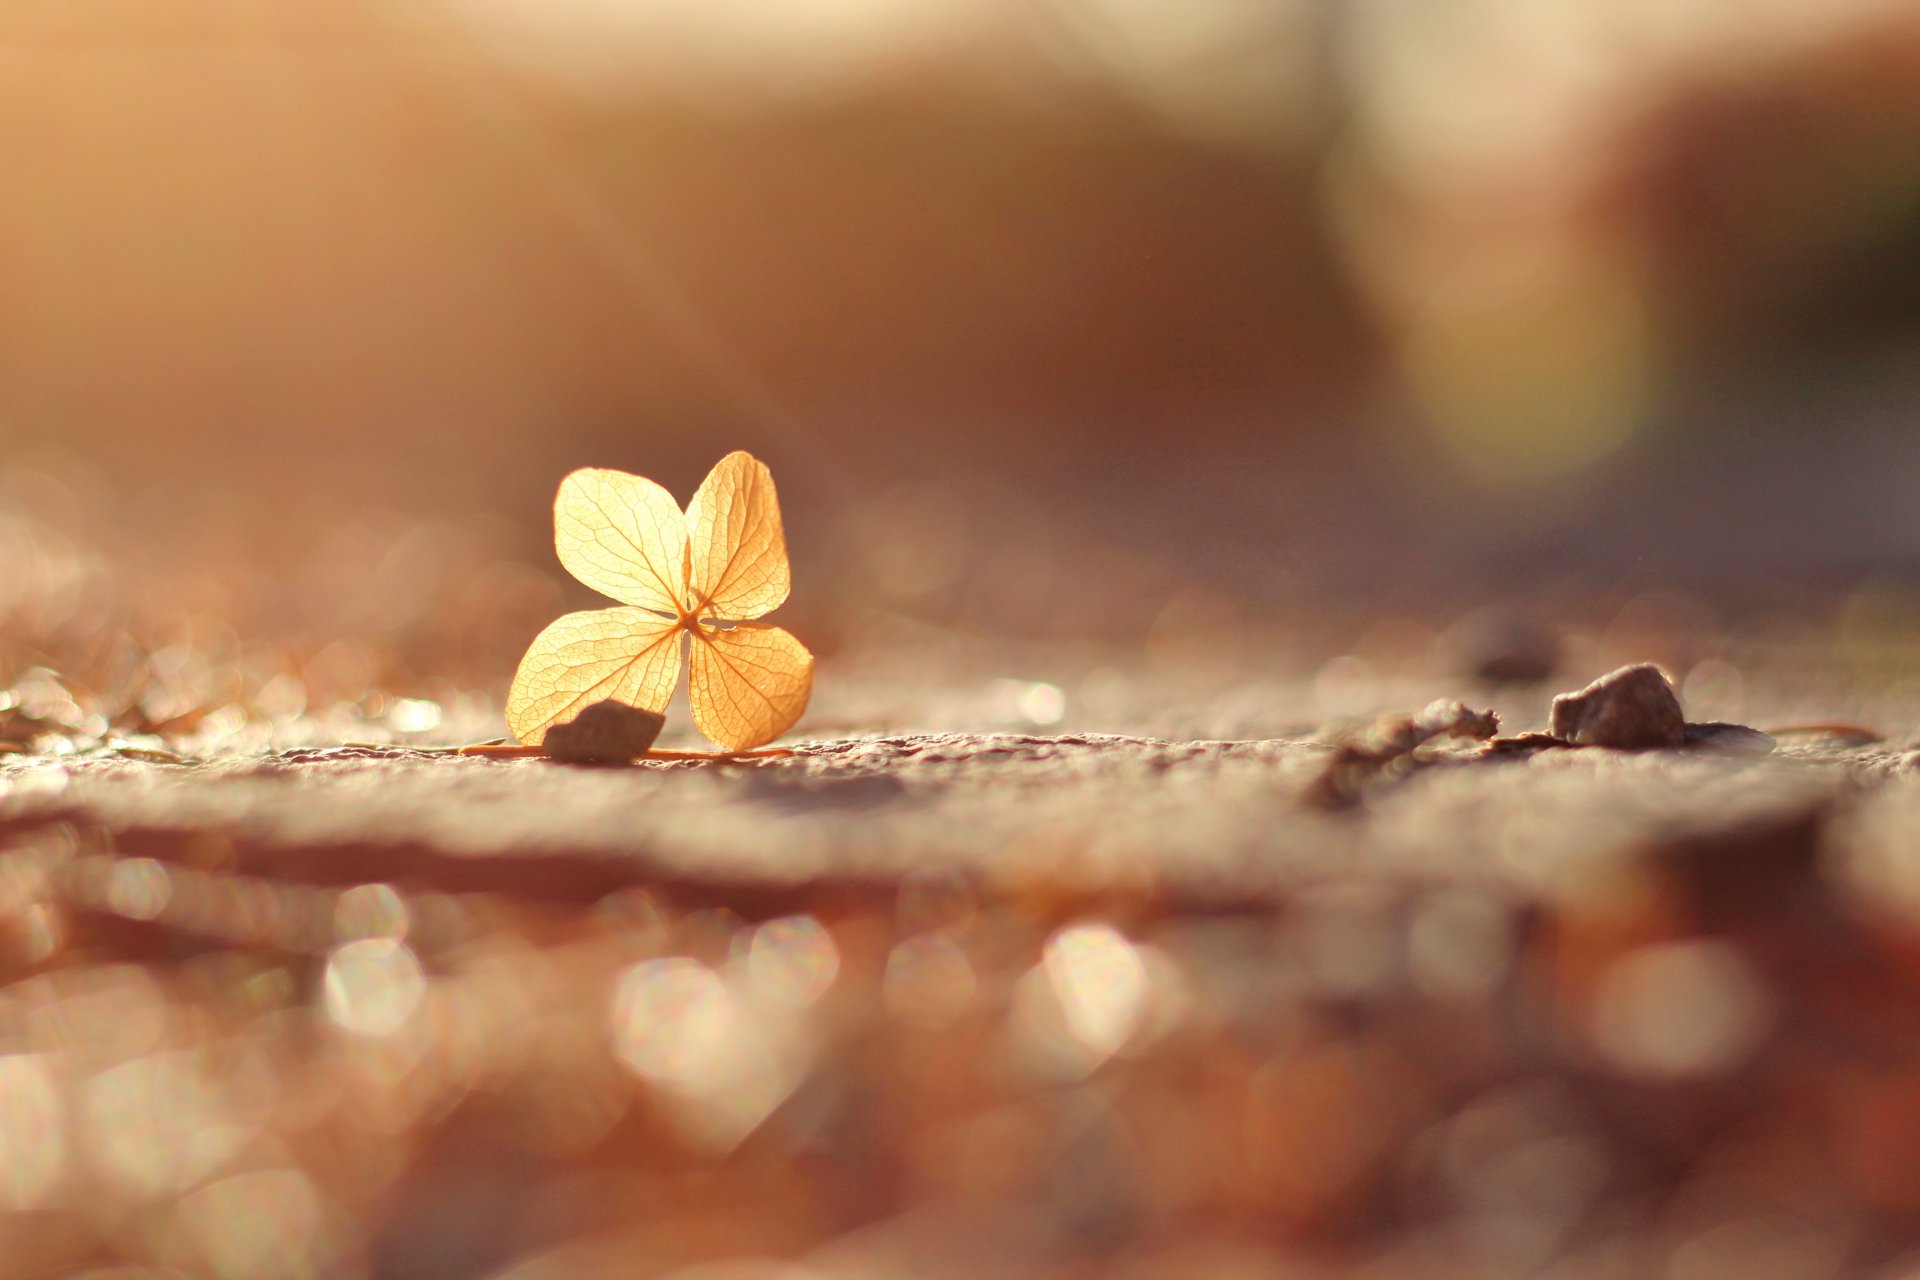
(413, 715)
(158, 1124)
(1460, 945)
(685, 1029)
(673, 1020)
(1681, 1009)
(138, 888)
(1100, 983)
(1530, 388)
(264, 1223)
(373, 986)
(792, 961)
(1026, 701)
(929, 980)
(33, 1146)
(370, 911)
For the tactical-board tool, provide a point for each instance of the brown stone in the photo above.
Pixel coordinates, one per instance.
(1630, 709)
(605, 733)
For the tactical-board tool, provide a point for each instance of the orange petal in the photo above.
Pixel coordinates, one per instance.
(748, 684)
(622, 535)
(626, 655)
(738, 547)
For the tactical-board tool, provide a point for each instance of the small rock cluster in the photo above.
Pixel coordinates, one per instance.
(1631, 709)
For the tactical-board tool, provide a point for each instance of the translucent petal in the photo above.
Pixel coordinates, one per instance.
(747, 685)
(738, 547)
(622, 535)
(627, 655)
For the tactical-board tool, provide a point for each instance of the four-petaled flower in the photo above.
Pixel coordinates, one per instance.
(698, 579)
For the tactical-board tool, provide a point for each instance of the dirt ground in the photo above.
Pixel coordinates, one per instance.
(1018, 997)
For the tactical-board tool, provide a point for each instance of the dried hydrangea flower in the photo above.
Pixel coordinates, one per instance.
(698, 579)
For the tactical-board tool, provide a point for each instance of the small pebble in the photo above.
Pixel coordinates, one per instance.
(605, 733)
(1631, 709)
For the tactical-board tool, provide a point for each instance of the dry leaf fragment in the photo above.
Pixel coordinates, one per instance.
(1390, 744)
(705, 575)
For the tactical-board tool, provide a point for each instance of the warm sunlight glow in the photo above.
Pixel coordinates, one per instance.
(1364, 560)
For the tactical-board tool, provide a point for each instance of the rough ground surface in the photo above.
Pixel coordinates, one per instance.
(1213, 820)
(1005, 1002)
(1209, 823)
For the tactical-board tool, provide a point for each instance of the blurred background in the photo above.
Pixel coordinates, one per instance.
(1268, 299)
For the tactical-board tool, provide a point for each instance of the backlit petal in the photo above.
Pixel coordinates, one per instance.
(738, 547)
(747, 685)
(626, 655)
(622, 535)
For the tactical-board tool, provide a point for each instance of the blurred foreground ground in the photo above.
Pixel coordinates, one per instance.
(1037, 959)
